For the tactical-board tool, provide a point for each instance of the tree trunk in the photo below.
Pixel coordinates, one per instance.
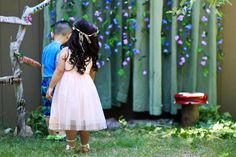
(21, 129)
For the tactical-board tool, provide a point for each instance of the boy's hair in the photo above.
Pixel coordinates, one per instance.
(61, 27)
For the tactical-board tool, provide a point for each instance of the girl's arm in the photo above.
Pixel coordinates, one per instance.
(92, 73)
(60, 69)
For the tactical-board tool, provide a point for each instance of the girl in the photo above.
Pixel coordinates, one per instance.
(75, 104)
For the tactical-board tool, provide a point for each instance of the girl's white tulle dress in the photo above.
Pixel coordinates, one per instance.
(76, 104)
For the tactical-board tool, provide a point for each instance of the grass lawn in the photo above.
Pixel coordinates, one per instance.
(139, 142)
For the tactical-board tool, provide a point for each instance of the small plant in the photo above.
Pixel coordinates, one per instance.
(123, 122)
(37, 122)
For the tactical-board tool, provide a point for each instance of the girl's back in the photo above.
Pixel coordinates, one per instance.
(69, 67)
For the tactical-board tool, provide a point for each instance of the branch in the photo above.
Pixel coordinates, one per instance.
(27, 16)
(13, 20)
(10, 80)
(28, 61)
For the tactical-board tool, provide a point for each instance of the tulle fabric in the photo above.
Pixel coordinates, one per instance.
(76, 104)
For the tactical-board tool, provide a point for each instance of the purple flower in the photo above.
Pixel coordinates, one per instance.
(101, 37)
(219, 68)
(119, 43)
(100, 19)
(125, 41)
(107, 8)
(182, 61)
(145, 72)
(97, 13)
(124, 63)
(167, 28)
(126, 14)
(180, 18)
(204, 43)
(110, 26)
(106, 46)
(164, 21)
(204, 19)
(203, 62)
(129, 7)
(176, 37)
(220, 41)
(136, 51)
(52, 13)
(72, 19)
(85, 4)
(189, 26)
(108, 1)
(128, 59)
(166, 43)
(115, 21)
(98, 65)
(187, 55)
(107, 32)
(146, 19)
(118, 4)
(166, 51)
(100, 44)
(180, 42)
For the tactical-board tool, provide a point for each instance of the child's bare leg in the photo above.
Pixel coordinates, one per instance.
(50, 132)
(71, 137)
(84, 137)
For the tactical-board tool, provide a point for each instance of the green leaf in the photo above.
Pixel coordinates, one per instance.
(121, 72)
(205, 72)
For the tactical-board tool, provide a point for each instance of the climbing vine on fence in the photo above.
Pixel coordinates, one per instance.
(117, 29)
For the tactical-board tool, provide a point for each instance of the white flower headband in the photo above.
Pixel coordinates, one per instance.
(82, 35)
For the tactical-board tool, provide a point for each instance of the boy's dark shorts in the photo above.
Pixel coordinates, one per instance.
(46, 103)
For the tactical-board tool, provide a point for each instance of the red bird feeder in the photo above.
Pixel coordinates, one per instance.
(190, 106)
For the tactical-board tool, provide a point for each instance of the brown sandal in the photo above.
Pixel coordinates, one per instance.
(85, 148)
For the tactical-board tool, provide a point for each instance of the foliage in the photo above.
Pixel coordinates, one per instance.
(139, 141)
(184, 35)
(37, 122)
(216, 3)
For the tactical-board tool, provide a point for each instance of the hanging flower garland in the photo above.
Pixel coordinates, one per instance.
(166, 28)
(183, 38)
(203, 49)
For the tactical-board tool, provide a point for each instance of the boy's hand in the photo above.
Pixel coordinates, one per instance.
(49, 94)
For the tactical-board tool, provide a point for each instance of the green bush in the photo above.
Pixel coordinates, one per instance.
(37, 122)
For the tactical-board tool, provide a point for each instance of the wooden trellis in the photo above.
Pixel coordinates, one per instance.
(16, 59)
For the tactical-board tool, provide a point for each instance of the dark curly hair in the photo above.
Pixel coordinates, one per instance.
(82, 53)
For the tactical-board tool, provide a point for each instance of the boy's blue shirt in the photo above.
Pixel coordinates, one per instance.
(49, 58)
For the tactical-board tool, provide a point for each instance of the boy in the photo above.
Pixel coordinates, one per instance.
(60, 34)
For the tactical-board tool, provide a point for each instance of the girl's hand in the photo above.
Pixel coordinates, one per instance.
(49, 93)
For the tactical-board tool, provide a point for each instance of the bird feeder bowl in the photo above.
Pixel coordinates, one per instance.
(190, 106)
